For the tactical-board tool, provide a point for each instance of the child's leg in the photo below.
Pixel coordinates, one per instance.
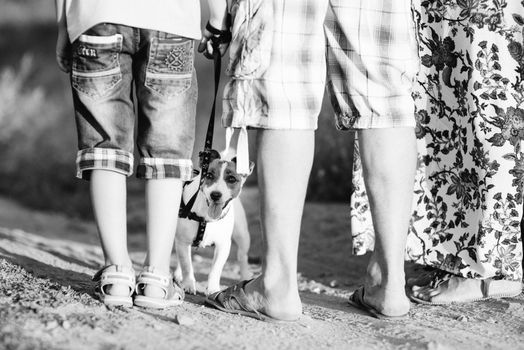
(108, 195)
(162, 203)
(102, 86)
(166, 91)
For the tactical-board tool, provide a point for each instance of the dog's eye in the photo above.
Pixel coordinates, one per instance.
(210, 176)
(232, 180)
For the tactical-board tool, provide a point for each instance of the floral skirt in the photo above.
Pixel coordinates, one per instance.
(469, 98)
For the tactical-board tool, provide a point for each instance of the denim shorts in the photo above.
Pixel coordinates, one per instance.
(124, 76)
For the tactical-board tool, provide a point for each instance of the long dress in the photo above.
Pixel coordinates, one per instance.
(469, 98)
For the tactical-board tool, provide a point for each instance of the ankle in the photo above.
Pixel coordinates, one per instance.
(272, 283)
(123, 261)
(156, 268)
(384, 276)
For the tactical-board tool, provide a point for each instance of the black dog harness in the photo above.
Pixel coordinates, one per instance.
(185, 212)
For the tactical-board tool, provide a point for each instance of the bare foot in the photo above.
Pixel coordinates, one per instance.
(387, 296)
(450, 288)
(278, 300)
(117, 290)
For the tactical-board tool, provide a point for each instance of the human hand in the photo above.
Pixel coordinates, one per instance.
(63, 51)
(214, 39)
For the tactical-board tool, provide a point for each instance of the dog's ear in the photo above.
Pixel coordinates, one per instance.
(212, 154)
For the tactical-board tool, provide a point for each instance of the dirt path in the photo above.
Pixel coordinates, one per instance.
(46, 303)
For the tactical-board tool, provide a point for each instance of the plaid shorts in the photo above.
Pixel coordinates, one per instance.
(288, 95)
(372, 62)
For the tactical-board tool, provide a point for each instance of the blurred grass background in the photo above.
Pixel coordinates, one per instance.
(38, 135)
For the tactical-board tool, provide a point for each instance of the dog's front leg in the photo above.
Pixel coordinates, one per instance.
(219, 260)
(242, 239)
(183, 251)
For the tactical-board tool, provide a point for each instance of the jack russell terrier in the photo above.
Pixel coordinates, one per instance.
(217, 204)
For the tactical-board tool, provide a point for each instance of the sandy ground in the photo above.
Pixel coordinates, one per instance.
(46, 300)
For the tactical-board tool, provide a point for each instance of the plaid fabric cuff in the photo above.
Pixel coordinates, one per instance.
(161, 168)
(103, 158)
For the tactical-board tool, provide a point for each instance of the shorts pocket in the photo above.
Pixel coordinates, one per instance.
(96, 67)
(170, 66)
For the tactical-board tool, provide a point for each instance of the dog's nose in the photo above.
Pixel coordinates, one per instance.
(215, 195)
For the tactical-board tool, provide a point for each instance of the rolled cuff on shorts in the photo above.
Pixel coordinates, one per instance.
(280, 122)
(162, 168)
(399, 114)
(103, 159)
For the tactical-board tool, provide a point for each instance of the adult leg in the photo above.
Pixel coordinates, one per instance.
(284, 162)
(108, 196)
(389, 162)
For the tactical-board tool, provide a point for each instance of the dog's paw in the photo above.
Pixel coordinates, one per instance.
(178, 275)
(189, 286)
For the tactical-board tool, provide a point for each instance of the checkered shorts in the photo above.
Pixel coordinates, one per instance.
(372, 62)
(288, 95)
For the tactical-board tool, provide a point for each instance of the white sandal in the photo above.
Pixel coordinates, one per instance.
(115, 275)
(173, 294)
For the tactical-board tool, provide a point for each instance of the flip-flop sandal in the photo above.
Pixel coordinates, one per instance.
(234, 300)
(484, 286)
(357, 301)
(173, 293)
(114, 275)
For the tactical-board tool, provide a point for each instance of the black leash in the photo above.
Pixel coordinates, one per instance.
(219, 37)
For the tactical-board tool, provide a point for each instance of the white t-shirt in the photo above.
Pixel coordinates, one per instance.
(180, 17)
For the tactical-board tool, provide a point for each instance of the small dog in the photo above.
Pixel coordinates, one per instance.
(218, 204)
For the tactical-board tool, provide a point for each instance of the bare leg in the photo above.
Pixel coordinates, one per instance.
(389, 164)
(108, 196)
(284, 163)
(162, 203)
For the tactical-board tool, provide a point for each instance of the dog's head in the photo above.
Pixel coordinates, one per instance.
(222, 183)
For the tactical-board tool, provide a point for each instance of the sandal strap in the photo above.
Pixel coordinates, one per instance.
(150, 277)
(439, 278)
(485, 286)
(115, 274)
(235, 298)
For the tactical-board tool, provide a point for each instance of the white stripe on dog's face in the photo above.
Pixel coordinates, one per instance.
(221, 184)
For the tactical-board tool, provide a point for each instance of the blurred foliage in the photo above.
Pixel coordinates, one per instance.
(36, 170)
(330, 178)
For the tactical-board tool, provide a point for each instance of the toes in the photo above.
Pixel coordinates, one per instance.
(416, 288)
(422, 293)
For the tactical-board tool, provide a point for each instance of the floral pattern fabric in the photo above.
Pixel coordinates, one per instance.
(469, 99)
